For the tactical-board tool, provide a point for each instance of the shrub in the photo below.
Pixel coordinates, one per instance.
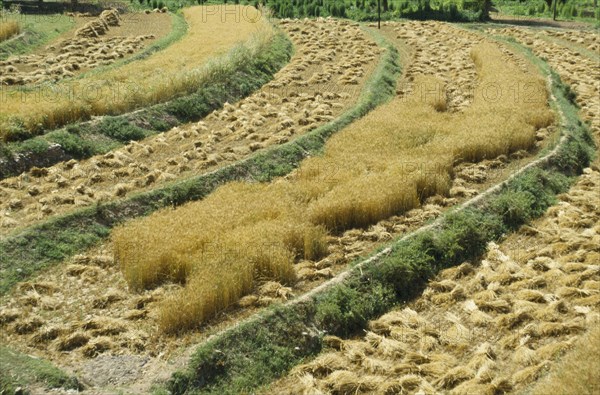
(72, 144)
(542, 185)
(575, 154)
(346, 309)
(17, 131)
(465, 235)
(514, 207)
(121, 130)
(408, 261)
(35, 146)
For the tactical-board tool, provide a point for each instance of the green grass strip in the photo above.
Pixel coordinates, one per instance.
(18, 370)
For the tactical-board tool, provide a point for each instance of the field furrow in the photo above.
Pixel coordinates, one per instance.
(322, 81)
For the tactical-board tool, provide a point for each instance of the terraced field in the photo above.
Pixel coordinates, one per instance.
(494, 325)
(579, 69)
(126, 88)
(118, 312)
(499, 324)
(322, 81)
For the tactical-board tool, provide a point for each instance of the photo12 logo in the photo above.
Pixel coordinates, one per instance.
(231, 13)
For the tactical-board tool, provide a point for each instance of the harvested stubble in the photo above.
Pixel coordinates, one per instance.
(360, 179)
(505, 353)
(578, 371)
(8, 29)
(174, 71)
(579, 71)
(268, 117)
(587, 39)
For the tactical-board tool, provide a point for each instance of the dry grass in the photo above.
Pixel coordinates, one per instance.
(171, 72)
(8, 29)
(243, 232)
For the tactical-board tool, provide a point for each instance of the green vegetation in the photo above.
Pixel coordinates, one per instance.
(584, 10)
(19, 370)
(37, 31)
(269, 350)
(359, 10)
(235, 82)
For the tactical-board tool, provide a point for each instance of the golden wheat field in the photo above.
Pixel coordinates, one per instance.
(8, 29)
(162, 76)
(468, 112)
(285, 220)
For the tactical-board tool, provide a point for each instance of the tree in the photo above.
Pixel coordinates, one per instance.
(484, 6)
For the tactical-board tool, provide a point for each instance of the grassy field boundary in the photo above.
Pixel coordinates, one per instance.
(18, 369)
(232, 361)
(24, 253)
(34, 33)
(246, 71)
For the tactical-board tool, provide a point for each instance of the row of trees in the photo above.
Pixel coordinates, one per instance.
(368, 9)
